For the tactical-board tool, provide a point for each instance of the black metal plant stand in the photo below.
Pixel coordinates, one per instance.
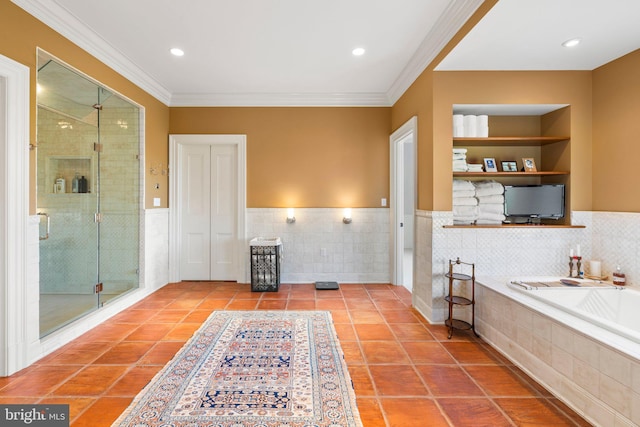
(454, 300)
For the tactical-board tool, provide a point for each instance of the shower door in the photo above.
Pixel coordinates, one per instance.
(87, 194)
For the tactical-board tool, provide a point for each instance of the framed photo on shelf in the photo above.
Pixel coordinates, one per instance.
(509, 166)
(529, 164)
(490, 165)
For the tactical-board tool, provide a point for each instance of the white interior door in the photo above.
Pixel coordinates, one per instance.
(223, 212)
(194, 199)
(208, 212)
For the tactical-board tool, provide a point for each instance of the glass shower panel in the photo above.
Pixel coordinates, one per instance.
(67, 127)
(119, 196)
(88, 189)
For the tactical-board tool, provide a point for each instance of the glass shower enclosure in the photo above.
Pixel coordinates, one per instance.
(87, 195)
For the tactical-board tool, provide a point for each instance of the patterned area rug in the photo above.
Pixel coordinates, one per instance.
(252, 369)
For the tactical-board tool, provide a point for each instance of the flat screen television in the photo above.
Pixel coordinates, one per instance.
(533, 202)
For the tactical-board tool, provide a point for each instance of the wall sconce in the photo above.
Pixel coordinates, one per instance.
(291, 218)
(346, 216)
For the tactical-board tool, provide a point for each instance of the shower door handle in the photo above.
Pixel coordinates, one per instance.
(46, 215)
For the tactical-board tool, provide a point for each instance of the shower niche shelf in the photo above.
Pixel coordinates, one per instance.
(66, 167)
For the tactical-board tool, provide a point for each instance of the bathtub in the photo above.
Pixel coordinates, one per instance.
(614, 308)
(582, 343)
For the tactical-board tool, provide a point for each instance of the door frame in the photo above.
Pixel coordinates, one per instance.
(176, 142)
(397, 195)
(17, 333)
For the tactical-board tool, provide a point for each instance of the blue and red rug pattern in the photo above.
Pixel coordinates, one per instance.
(252, 369)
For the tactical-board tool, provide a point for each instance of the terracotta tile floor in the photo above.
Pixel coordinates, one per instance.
(405, 371)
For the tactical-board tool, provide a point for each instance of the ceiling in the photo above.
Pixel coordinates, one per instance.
(298, 52)
(528, 35)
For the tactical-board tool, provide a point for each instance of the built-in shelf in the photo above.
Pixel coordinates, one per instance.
(66, 167)
(509, 174)
(508, 140)
(519, 138)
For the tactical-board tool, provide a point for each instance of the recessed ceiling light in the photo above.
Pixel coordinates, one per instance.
(358, 51)
(571, 43)
(177, 52)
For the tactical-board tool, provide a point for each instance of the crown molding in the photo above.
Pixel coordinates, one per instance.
(58, 18)
(280, 100)
(454, 17)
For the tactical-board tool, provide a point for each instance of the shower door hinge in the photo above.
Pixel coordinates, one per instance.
(98, 288)
(98, 217)
(97, 147)
(97, 106)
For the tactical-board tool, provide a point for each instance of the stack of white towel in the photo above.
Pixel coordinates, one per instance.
(465, 204)
(470, 125)
(459, 159)
(490, 196)
(458, 125)
(474, 167)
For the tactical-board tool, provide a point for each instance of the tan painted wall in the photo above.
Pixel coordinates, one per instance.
(616, 128)
(304, 156)
(353, 142)
(418, 101)
(21, 34)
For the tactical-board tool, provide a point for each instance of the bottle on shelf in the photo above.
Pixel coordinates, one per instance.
(59, 186)
(75, 184)
(619, 278)
(82, 185)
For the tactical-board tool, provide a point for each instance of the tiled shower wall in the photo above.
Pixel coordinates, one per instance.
(511, 252)
(120, 190)
(320, 247)
(68, 259)
(65, 264)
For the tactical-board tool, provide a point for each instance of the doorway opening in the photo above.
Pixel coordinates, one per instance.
(403, 144)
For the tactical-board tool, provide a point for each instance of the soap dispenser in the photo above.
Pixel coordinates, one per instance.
(619, 277)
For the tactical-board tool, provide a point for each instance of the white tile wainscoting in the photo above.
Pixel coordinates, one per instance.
(320, 247)
(155, 263)
(612, 237)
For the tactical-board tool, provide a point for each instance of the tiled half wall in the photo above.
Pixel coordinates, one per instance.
(613, 238)
(320, 247)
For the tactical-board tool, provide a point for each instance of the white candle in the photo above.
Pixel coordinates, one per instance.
(577, 250)
(571, 252)
(595, 268)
